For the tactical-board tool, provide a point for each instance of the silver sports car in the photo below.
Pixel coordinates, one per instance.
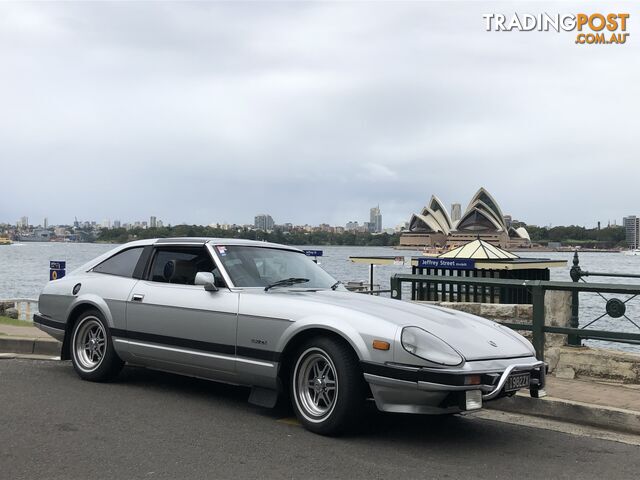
(266, 316)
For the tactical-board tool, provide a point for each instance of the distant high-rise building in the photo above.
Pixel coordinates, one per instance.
(117, 224)
(45, 223)
(632, 230)
(456, 212)
(263, 222)
(153, 222)
(375, 220)
(508, 220)
(159, 224)
(350, 226)
(23, 222)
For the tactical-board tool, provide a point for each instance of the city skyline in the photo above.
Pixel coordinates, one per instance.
(615, 222)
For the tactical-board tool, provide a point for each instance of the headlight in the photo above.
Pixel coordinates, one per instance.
(422, 344)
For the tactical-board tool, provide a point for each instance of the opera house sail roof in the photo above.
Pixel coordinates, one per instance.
(433, 218)
(483, 216)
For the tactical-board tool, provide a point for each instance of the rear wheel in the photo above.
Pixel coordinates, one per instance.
(92, 352)
(326, 386)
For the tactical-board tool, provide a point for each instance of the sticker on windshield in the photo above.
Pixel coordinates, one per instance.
(222, 250)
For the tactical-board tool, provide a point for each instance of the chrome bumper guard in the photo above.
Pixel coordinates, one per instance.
(522, 366)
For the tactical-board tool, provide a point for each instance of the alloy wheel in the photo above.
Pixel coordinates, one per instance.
(90, 343)
(316, 384)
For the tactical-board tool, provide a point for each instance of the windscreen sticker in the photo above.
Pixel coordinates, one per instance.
(222, 250)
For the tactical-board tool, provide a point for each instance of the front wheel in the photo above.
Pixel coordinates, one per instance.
(92, 352)
(327, 387)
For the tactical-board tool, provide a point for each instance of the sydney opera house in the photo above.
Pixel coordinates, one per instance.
(434, 227)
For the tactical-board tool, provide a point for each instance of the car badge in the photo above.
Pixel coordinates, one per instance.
(492, 343)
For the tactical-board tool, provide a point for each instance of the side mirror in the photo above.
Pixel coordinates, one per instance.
(207, 279)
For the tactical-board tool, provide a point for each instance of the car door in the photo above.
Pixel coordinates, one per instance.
(175, 325)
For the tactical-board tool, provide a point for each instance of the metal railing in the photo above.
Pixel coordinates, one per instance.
(614, 307)
(537, 290)
(437, 288)
(26, 307)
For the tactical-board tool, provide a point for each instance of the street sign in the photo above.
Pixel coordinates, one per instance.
(57, 269)
(447, 263)
(313, 253)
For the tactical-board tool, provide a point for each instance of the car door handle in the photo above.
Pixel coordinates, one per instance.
(137, 297)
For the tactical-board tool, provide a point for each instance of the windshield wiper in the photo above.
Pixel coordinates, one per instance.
(336, 285)
(286, 282)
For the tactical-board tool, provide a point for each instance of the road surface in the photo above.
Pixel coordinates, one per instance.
(157, 425)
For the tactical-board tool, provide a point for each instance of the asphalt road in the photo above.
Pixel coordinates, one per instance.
(157, 425)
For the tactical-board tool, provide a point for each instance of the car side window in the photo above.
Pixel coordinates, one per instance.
(180, 265)
(122, 264)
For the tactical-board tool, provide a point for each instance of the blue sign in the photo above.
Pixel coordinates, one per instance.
(447, 263)
(57, 269)
(313, 253)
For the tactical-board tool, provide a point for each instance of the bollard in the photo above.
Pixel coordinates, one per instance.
(575, 273)
(537, 292)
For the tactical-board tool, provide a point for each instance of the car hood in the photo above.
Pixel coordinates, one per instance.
(474, 337)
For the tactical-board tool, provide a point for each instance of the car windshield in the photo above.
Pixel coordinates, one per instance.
(263, 266)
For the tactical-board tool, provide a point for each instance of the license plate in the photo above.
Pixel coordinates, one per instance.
(516, 382)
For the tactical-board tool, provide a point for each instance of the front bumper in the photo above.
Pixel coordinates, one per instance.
(406, 389)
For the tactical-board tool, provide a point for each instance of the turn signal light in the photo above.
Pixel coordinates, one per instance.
(381, 345)
(472, 380)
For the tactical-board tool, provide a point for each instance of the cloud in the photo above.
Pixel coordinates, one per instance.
(374, 172)
(313, 112)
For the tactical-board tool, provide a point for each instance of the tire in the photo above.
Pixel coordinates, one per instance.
(326, 386)
(92, 353)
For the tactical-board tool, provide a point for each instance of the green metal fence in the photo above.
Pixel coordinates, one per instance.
(615, 308)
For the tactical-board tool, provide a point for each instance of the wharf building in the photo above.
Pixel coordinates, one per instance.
(433, 227)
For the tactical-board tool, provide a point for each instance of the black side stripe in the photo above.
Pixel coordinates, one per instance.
(258, 354)
(197, 345)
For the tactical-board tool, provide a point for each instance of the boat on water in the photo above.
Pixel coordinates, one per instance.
(433, 250)
(633, 251)
(5, 241)
(38, 235)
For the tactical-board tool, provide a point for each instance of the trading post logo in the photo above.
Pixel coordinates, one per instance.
(592, 29)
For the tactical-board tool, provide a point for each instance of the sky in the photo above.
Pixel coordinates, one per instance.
(312, 112)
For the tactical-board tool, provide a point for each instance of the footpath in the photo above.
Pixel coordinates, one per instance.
(27, 340)
(607, 405)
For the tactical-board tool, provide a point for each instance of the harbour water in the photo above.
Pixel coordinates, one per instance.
(25, 270)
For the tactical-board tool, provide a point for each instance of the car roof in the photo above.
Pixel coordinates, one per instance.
(218, 241)
(182, 241)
